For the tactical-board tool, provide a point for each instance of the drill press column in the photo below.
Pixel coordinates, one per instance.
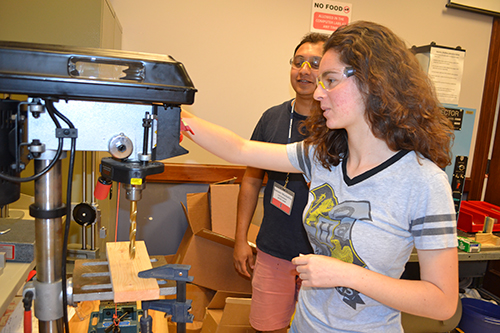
(48, 234)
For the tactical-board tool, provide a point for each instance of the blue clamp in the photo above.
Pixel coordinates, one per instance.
(178, 310)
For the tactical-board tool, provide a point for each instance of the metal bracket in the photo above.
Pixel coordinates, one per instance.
(71, 133)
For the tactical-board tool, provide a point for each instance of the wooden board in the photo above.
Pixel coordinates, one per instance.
(488, 240)
(127, 285)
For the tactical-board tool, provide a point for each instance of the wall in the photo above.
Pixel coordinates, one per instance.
(237, 52)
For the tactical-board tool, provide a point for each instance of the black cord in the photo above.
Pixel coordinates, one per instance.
(49, 104)
(68, 214)
(66, 233)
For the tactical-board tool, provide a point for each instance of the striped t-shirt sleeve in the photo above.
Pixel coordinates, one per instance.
(435, 226)
(300, 158)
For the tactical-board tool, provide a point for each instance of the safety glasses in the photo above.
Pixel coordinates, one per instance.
(330, 79)
(298, 62)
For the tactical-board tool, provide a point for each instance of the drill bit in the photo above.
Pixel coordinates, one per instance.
(133, 226)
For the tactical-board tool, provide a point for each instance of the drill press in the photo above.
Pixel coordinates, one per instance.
(124, 103)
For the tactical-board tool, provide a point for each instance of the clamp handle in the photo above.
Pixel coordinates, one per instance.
(168, 272)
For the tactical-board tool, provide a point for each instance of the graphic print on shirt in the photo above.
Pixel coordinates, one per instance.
(329, 225)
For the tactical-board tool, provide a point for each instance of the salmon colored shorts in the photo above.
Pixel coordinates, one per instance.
(275, 286)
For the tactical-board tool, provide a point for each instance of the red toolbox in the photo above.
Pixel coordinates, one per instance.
(472, 214)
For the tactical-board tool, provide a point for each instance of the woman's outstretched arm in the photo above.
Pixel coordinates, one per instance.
(233, 148)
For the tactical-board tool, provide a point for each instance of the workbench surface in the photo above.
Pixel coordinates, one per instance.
(486, 253)
(13, 278)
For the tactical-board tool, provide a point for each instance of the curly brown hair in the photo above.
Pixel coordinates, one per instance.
(401, 104)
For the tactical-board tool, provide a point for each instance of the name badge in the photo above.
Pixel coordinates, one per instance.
(282, 198)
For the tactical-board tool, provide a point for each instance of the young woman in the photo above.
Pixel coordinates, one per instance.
(374, 159)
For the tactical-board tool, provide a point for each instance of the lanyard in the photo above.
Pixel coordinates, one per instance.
(291, 123)
(290, 136)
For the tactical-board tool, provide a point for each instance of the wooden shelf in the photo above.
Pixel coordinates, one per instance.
(198, 173)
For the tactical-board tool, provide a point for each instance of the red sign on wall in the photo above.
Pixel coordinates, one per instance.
(327, 16)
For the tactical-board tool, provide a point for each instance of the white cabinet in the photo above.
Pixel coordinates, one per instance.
(85, 23)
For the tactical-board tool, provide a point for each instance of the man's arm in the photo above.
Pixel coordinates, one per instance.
(247, 201)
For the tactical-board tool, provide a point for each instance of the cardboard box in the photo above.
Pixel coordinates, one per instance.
(194, 327)
(253, 231)
(210, 254)
(223, 208)
(228, 313)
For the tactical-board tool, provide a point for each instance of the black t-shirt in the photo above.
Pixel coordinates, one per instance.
(282, 235)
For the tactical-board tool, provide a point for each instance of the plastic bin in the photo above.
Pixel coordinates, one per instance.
(472, 214)
(479, 316)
